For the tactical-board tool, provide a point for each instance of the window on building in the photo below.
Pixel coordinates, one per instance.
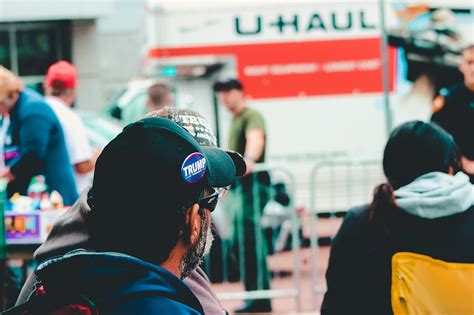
(36, 51)
(5, 49)
(28, 49)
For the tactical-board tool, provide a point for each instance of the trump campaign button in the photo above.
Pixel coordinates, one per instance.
(193, 168)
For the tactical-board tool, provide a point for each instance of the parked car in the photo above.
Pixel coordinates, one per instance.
(100, 128)
(128, 105)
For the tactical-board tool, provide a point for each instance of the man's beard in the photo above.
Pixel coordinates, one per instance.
(196, 253)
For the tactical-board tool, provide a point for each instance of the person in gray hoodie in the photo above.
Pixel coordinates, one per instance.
(426, 207)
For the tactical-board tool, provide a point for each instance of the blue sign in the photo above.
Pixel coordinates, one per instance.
(168, 71)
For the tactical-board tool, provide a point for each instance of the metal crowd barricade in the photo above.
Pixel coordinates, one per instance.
(335, 187)
(277, 174)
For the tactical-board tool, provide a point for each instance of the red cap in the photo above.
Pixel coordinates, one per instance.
(61, 75)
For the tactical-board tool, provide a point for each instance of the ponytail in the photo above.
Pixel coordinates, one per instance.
(382, 205)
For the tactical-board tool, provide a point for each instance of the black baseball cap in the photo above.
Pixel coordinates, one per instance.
(156, 159)
(227, 85)
(145, 180)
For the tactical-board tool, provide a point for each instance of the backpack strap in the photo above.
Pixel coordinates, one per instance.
(43, 303)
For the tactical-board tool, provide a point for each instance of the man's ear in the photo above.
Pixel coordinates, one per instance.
(193, 224)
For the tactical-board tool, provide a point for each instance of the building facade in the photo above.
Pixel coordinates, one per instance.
(103, 38)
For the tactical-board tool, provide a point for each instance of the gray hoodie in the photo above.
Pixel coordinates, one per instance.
(435, 195)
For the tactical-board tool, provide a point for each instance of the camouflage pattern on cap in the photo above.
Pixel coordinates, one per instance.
(192, 121)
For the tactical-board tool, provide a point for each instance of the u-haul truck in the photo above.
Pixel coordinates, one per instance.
(312, 68)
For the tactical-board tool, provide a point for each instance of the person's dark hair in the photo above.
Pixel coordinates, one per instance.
(158, 94)
(149, 237)
(415, 148)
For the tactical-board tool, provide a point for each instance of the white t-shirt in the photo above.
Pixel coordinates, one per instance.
(78, 147)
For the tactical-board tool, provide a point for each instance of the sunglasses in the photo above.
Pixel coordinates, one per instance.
(210, 202)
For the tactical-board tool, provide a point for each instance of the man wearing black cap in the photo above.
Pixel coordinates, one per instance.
(248, 137)
(147, 220)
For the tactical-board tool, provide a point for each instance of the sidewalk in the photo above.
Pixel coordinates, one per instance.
(284, 262)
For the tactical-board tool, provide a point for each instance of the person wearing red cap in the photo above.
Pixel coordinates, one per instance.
(60, 90)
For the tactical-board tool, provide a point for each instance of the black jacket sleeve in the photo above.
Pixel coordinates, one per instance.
(340, 278)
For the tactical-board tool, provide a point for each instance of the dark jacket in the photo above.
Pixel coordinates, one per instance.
(35, 145)
(456, 116)
(359, 272)
(70, 232)
(116, 284)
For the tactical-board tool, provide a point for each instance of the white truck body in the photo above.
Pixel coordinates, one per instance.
(312, 68)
